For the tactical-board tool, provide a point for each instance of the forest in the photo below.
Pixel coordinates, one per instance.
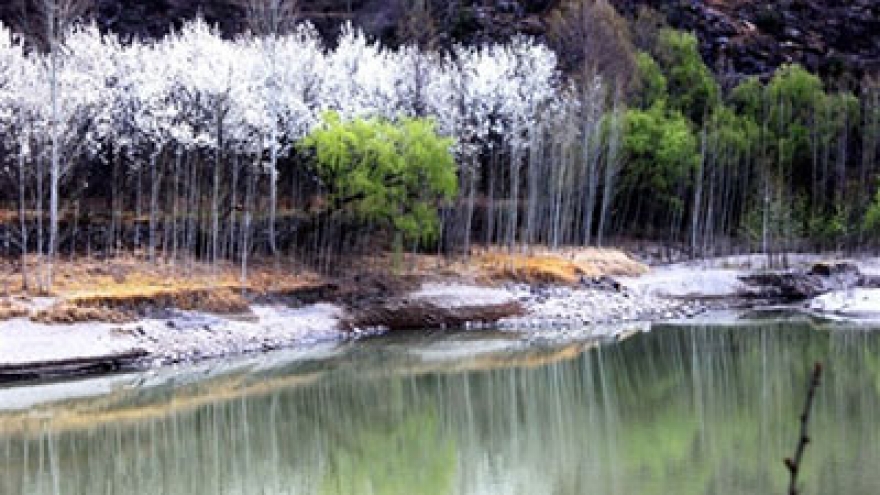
(279, 143)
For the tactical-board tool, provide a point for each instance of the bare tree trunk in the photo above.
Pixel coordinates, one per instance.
(215, 195)
(273, 192)
(612, 167)
(472, 186)
(155, 181)
(246, 228)
(55, 170)
(22, 214)
(236, 166)
(175, 198)
(513, 218)
(40, 197)
(138, 199)
(698, 194)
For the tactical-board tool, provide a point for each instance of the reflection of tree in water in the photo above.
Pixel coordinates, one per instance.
(712, 410)
(697, 410)
(408, 457)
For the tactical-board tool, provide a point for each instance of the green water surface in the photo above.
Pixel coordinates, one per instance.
(678, 410)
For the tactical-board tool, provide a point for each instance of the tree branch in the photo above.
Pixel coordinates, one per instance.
(794, 463)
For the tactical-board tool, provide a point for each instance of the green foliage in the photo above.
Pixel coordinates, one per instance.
(653, 84)
(748, 98)
(661, 151)
(732, 132)
(692, 87)
(831, 228)
(794, 96)
(391, 173)
(788, 136)
(871, 221)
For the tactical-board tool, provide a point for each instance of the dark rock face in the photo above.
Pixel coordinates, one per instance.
(798, 286)
(468, 21)
(839, 39)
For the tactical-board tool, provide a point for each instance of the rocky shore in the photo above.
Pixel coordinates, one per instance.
(564, 307)
(32, 350)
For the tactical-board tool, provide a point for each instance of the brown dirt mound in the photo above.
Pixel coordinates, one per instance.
(220, 301)
(417, 315)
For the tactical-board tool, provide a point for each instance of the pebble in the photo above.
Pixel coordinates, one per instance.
(565, 308)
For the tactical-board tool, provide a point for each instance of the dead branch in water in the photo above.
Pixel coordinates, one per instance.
(794, 463)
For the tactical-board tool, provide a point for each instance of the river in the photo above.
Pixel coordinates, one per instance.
(677, 410)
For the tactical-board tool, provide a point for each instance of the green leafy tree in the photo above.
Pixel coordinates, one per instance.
(794, 95)
(871, 221)
(661, 151)
(392, 173)
(692, 87)
(653, 85)
(747, 98)
(732, 132)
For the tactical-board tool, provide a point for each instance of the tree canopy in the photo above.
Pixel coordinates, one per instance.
(392, 173)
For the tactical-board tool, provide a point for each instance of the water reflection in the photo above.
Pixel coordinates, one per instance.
(697, 410)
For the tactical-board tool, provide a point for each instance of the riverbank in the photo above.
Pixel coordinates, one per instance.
(141, 319)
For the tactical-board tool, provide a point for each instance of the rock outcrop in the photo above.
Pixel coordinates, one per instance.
(791, 286)
(839, 39)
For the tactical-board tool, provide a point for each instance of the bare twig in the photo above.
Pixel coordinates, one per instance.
(794, 463)
(270, 17)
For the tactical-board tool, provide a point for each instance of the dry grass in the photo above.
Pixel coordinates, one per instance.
(115, 290)
(220, 300)
(491, 266)
(125, 276)
(561, 267)
(10, 310)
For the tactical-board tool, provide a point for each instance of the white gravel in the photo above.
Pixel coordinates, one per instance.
(687, 281)
(191, 335)
(853, 303)
(718, 278)
(184, 337)
(561, 307)
(23, 342)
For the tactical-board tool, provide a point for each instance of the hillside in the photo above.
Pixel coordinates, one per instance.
(836, 38)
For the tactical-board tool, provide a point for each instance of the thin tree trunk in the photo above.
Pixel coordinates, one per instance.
(55, 170)
(155, 181)
(698, 194)
(611, 167)
(22, 214)
(246, 228)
